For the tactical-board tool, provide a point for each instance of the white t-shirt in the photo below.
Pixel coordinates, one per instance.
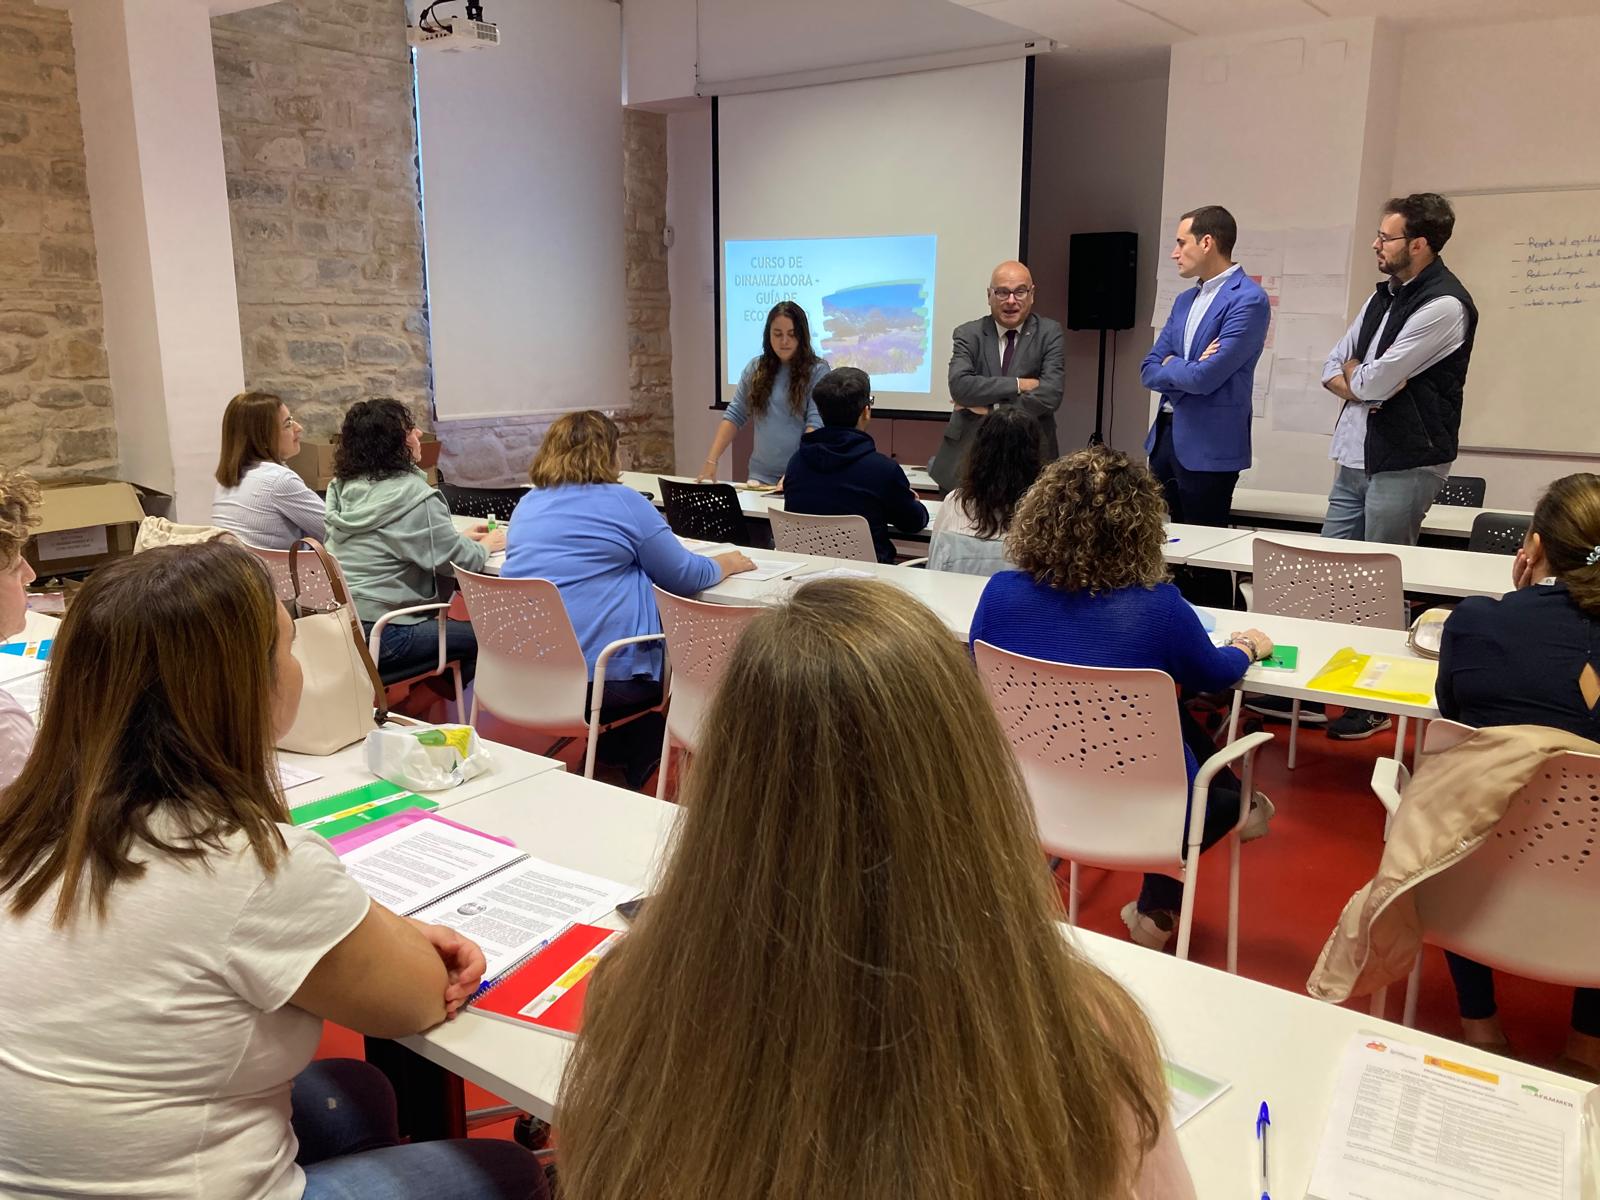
(150, 1055)
(16, 737)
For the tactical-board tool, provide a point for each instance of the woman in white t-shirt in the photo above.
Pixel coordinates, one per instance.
(259, 499)
(19, 498)
(1004, 459)
(176, 944)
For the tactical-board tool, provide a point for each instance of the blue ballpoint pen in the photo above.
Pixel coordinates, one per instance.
(1263, 1123)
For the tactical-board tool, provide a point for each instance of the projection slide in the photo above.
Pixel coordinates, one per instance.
(869, 300)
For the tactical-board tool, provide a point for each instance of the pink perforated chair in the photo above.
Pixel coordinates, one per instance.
(1518, 902)
(830, 537)
(531, 669)
(1102, 755)
(700, 640)
(1355, 588)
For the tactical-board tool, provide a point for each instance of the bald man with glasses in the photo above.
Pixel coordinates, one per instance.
(1012, 356)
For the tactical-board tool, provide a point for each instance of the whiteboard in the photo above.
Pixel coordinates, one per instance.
(1532, 263)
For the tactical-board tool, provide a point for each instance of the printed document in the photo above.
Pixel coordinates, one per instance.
(418, 864)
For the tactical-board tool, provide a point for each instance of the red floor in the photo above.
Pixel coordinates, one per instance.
(1325, 843)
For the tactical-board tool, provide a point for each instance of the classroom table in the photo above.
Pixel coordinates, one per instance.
(347, 768)
(1429, 569)
(1308, 508)
(1265, 1042)
(752, 504)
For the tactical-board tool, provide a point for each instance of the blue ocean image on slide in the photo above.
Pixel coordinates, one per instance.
(880, 327)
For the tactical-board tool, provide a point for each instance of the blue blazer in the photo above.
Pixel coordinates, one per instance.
(1211, 399)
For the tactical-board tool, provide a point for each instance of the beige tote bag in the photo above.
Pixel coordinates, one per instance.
(342, 699)
(158, 531)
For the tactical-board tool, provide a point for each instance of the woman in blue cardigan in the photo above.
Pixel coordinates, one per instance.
(1092, 590)
(603, 545)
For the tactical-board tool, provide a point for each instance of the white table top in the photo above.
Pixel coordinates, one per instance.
(1266, 1042)
(347, 768)
(1445, 520)
(1435, 569)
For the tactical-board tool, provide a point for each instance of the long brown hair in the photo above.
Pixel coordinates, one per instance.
(578, 447)
(801, 365)
(160, 738)
(851, 981)
(1567, 521)
(249, 435)
(1094, 522)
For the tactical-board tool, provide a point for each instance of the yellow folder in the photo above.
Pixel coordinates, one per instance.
(1390, 677)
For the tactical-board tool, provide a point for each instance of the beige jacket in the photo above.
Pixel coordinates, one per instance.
(1454, 800)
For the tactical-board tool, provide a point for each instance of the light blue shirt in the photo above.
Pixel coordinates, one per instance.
(1197, 313)
(1436, 330)
(778, 429)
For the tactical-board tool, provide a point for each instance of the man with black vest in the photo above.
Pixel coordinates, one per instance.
(1400, 369)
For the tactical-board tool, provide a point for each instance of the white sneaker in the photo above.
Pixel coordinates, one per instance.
(1256, 825)
(1151, 930)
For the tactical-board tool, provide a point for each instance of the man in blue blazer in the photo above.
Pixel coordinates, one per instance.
(1203, 364)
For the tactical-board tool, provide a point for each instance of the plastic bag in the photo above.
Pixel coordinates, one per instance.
(426, 758)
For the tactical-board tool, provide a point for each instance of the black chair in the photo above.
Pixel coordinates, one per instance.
(709, 511)
(1498, 533)
(1464, 491)
(480, 502)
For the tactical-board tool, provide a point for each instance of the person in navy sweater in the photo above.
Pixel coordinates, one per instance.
(839, 471)
(1092, 590)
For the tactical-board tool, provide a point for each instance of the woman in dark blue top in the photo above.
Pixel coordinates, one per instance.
(1533, 658)
(1092, 591)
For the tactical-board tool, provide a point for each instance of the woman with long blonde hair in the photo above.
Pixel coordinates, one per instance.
(852, 981)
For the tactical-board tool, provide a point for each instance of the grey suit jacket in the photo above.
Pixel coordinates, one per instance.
(976, 382)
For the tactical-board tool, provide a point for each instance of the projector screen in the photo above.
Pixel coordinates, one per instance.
(880, 206)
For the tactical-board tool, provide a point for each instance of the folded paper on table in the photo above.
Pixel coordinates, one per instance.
(1190, 1091)
(1378, 676)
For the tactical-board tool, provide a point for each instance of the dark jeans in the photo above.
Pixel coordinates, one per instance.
(1162, 892)
(1195, 498)
(1475, 995)
(343, 1113)
(636, 746)
(408, 650)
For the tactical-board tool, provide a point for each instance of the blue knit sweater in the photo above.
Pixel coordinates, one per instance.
(1132, 627)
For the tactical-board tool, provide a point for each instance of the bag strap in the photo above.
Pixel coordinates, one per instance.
(341, 596)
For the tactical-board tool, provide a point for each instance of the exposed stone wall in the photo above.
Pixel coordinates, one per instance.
(320, 147)
(648, 424)
(55, 386)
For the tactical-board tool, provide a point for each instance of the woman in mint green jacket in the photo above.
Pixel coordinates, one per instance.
(392, 534)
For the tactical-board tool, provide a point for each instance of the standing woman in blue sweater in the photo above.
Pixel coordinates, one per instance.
(1092, 591)
(603, 545)
(775, 392)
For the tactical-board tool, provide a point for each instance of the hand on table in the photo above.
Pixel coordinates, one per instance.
(1262, 642)
(491, 542)
(733, 563)
(708, 473)
(463, 962)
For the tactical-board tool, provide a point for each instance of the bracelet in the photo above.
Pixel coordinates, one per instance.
(1248, 641)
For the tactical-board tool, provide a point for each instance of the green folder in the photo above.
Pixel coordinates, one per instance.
(344, 811)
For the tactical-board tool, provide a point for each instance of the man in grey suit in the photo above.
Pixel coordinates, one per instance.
(1008, 357)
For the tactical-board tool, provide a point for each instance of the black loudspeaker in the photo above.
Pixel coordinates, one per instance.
(1102, 279)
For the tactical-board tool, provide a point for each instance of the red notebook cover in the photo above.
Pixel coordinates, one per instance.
(547, 990)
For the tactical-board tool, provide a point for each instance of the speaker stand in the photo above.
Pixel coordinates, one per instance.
(1097, 438)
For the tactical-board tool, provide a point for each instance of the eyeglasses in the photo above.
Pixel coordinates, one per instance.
(1383, 239)
(1021, 293)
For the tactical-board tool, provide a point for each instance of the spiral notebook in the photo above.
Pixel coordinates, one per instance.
(547, 990)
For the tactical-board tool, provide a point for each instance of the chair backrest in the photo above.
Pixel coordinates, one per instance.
(1466, 491)
(1102, 756)
(316, 591)
(709, 511)
(480, 502)
(1520, 902)
(531, 669)
(1498, 533)
(700, 639)
(831, 537)
(1326, 585)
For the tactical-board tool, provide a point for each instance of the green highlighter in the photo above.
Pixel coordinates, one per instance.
(1282, 658)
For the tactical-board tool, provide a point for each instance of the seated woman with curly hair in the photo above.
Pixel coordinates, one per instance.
(1092, 590)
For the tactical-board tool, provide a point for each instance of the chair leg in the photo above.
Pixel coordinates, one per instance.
(1186, 916)
(1416, 745)
(666, 763)
(1380, 1001)
(1400, 740)
(1408, 1016)
(1072, 895)
(1294, 731)
(1233, 904)
(473, 719)
(1233, 717)
(461, 695)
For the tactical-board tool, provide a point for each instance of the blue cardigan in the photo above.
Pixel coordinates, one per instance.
(1132, 627)
(603, 545)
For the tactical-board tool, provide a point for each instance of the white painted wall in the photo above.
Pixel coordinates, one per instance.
(658, 51)
(522, 199)
(158, 196)
(1098, 150)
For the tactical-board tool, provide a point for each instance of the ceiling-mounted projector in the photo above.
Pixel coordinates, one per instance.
(458, 35)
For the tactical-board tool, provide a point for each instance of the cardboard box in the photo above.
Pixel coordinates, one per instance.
(314, 463)
(85, 523)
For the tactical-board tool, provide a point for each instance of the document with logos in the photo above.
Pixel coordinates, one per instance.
(1406, 1124)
